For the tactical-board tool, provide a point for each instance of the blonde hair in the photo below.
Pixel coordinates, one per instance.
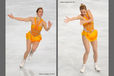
(82, 6)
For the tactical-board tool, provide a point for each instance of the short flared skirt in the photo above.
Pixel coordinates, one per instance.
(90, 36)
(32, 38)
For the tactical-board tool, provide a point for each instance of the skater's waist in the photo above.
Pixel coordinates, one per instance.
(35, 33)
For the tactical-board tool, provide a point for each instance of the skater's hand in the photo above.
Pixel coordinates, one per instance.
(83, 21)
(67, 20)
(49, 24)
(11, 16)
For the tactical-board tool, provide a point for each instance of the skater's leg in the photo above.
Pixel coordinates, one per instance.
(87, 50)
(34, 46)
(28, 49)
(28, 44)
(94, 46)
(95, 56)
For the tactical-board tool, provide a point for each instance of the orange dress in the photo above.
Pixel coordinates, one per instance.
(34, 35)
(89, 32)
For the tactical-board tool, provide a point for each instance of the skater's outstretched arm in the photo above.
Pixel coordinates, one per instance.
(79, 17)
(20, 18)
(45, 25)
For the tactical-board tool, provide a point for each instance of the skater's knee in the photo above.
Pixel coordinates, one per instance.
(87, 52)
(34, 48)
(95, 51)
(28, 50)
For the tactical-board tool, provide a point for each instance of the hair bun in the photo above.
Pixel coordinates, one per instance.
(82, 4)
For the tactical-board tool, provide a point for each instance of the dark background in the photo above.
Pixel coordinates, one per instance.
(2, 37)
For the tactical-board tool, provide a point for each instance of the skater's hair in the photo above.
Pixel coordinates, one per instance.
(39, 9)
(83, 6)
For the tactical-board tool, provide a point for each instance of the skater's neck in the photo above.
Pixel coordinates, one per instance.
(38, 18)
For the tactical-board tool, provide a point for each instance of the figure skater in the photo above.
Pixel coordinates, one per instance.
(33, 37)
(89, 34)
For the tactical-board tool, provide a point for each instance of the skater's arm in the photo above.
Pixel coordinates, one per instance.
(83, 22)
(90, 17)
(45, 25)
(20, 18)
(73, 18)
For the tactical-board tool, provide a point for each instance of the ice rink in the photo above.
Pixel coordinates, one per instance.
(70, 46)
(43, 62)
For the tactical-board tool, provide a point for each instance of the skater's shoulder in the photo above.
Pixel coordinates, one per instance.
(31, 18)
(88, 11)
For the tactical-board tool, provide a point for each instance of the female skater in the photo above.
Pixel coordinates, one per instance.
(33, 37)
(89, 34)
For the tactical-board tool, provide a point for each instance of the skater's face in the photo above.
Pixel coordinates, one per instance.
(83, 11)
(40, 12)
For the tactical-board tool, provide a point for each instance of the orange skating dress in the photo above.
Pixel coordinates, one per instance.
(34, 35)
(89, 32)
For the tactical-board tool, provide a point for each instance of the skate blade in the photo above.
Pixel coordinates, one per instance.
(97, 70)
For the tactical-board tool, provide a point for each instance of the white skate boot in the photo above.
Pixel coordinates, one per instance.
(82, 70)
(97, 68)
(22, 64)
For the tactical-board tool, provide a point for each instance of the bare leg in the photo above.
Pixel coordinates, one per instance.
(95, 56)
(28, 49)
(34, 47)
(28, 43)
(94, 46)
(87, 50)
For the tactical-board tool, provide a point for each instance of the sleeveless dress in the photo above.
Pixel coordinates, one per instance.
(89, 32)
(34, 35)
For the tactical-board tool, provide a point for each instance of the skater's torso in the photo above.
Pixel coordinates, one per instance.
(36, 27)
